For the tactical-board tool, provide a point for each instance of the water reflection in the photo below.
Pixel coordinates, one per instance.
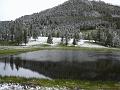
(63, 65)
(10, 66)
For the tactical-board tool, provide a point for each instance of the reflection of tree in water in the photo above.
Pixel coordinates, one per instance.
(92, 70)
(11, 62)
(17, 63)
(5, 63)
(102, 69)
(108, 69)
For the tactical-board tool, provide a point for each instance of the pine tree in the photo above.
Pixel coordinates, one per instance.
(66, 38)
(25, 37)
(50, 40)
(12, 32)
(18, 36)
(109, 39)
(62, 39)
(53, 34)
(35, 35)
(74, 42)
(77, 36)
(98, 36)
(58, 34)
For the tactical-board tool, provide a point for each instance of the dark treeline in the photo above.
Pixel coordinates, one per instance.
(107, 36)
(66, 21)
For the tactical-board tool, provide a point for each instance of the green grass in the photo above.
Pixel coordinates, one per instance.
(4, 43)
(17, 51)
(88, 49)
(42, 45)
(72, 84)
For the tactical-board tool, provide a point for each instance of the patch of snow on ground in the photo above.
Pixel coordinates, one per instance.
(40, 40)
(90, 44)
(70, 42)
(56, 41)
(43, 40)
(11, 86)
(81, 42)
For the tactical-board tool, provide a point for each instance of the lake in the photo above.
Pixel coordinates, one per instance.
(63, 64)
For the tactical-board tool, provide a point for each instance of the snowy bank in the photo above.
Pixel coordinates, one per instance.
(42, 40)
(56, 41)
(89, 44)
(11, 86)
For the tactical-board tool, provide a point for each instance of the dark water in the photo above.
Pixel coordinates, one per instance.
(58, 64)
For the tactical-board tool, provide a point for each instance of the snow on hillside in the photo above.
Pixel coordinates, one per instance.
(56, 41)
(42, 40)
(70, 42)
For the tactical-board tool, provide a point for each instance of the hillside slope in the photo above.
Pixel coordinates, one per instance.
(71, 16)
(75, 13)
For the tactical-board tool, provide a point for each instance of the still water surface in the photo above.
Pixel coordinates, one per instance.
(60, 64)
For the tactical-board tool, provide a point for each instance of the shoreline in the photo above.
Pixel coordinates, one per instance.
(56, 84)
(67, 84)
(4, 50)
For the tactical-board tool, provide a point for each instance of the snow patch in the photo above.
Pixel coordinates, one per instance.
(12, 86)
(56, 41)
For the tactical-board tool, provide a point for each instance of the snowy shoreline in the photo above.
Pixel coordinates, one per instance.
(16, 86)
(41, 41)
(57, 41)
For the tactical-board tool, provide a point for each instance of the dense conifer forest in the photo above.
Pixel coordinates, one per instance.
(68, 20)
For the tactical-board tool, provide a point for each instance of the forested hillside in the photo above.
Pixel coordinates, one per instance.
(67, 19)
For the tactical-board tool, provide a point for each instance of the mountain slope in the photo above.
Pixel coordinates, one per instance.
(72, 16)
(79, 14)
